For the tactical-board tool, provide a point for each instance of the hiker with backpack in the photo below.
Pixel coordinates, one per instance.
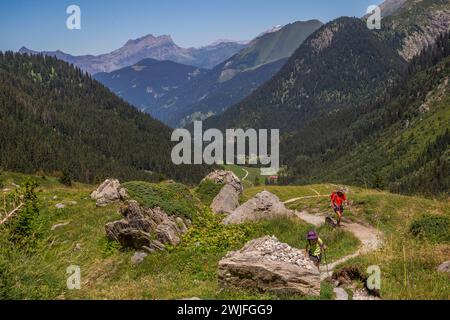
(338, 198)
(315, 248)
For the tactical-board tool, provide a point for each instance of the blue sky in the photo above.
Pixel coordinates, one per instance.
(108, 24)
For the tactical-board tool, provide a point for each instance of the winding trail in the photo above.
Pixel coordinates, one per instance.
(301, 198)
(370, 237)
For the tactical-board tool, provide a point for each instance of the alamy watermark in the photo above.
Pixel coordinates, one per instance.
(74, 280)
(73, 22)
(374, 279)
(249, 147)
(374, 18)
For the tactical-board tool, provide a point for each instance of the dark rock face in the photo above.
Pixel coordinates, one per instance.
(146, 229)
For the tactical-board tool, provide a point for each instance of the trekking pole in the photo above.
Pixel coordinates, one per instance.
(326, 262)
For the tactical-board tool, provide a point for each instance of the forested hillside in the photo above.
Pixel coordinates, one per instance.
(361, 106)
(56, 119)
(234, 79)
(401, 143)
(145, 83)
(341, 64)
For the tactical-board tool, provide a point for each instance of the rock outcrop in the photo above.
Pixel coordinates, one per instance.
(268, 265)
(146, 229)
(425, 35)
(228, 198)
(263, 206)
(108, 192)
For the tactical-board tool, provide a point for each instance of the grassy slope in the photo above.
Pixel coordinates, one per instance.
(397, 146)
(190, 271)
(253, 174)
(408, 265)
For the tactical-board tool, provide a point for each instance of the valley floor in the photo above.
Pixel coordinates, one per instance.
(75, 235)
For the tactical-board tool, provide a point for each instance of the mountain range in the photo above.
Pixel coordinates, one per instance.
(210, 93)
(341, 87)
(353, 105)
(153, 47)
(145, 83)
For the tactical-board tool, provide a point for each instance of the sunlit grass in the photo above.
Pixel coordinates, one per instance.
(107, 273)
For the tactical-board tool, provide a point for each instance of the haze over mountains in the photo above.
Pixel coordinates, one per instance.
(153, 47)
(213, 92)
(144, 84)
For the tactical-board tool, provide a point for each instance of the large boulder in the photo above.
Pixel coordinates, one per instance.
(268, 265)
(228, 198)
(263, 206)
(146, 229)
(108, 192)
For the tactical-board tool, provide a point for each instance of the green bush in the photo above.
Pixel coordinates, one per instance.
(207, 191)
(173, 198)
(66, 179)
(211, 235)
(432, 228)
(22, 228)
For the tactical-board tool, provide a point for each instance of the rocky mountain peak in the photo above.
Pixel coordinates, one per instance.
(150, 40)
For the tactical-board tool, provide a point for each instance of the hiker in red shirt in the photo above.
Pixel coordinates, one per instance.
(337, 203)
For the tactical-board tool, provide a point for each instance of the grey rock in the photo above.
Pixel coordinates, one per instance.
(146, 229)
(340, 293)
(445, 267)
(263, 206)
(60, 206)
(425, 35)
(226, 201)
(228, 198)
(148, 250)
(138, 258)
(108, 192)
(362, 294)
(265, 265)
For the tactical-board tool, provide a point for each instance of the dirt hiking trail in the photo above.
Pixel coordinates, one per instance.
(370, 237)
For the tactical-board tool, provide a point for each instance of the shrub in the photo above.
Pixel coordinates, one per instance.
(207, 191)
(22, 225)
(66, 179)
(432, 228)
(41, 173)
(173, 198)
(209, 234)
